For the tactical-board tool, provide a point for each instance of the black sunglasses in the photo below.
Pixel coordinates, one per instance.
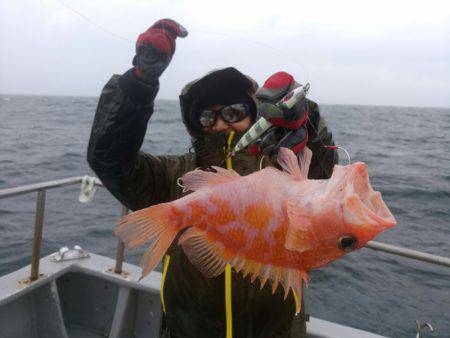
(230, 114)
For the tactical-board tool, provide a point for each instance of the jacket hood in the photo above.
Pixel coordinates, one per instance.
(224, 86)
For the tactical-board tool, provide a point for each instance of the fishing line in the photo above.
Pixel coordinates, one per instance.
(261, 162)
(185, 189)
(122, 38)
(181, 185)
(105, 30)
(327, 146)
(259, 43)
(92, 22)
(340, 148)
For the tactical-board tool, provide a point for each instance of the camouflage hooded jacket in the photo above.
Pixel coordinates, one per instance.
(195, 305)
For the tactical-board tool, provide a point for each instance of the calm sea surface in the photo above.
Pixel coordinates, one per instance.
(407, 151)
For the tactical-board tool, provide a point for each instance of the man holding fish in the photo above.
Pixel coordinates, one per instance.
(242, 232)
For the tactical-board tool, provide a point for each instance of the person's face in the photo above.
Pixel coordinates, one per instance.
(221, 125)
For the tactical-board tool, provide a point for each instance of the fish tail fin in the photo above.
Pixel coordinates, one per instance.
(156, 251)
(154, 223)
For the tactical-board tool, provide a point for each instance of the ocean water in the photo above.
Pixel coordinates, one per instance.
(408, 156)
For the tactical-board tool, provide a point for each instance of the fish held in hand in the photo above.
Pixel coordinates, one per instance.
(273, 225)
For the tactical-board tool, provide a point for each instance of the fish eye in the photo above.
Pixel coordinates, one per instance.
(347, 243)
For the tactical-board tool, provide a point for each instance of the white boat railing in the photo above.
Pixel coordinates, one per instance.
(41, 189)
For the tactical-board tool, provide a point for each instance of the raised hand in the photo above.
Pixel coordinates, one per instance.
(155, 48)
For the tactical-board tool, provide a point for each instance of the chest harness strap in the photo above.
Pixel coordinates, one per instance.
(228, 307)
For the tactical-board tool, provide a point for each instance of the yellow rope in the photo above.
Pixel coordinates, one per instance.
(229, 314)
(228, 150)
(295, 298)
(228, 303)
(228, 307)
(166, 266)
(228, 267)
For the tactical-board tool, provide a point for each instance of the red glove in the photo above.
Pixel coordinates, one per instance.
(272, 92)
(155, 48)
(289, 125)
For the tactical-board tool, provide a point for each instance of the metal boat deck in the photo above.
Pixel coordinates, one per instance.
(80, 298)
(84, 298)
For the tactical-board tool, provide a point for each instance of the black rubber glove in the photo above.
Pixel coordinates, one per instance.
(155, 48)
(278, 137)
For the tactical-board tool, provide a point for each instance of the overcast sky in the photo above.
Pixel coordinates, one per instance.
(352, 52)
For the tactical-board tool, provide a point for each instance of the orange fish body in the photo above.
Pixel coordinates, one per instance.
(270, 224)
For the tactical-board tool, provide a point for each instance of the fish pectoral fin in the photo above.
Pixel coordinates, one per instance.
(202, 252)
(299, 235)
(197, 179)
(290, 163)
(299, 240)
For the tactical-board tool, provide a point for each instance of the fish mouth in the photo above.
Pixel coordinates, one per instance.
(364, 207)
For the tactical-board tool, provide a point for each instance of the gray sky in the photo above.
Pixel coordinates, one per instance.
(352, 52)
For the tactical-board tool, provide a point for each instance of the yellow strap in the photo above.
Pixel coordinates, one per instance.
(295, 299)
(228, 307)
(229, 314)
(228, 311)
(166, 266)
(228, 267)
(228, 150)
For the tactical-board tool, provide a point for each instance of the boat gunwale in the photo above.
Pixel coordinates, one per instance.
(12, 286)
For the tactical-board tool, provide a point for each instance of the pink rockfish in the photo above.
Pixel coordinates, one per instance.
(272, 224)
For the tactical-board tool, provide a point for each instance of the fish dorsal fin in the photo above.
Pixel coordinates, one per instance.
(197, 179)
(299, 236)
(289, 162)
(305, 161)
(202, 253)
